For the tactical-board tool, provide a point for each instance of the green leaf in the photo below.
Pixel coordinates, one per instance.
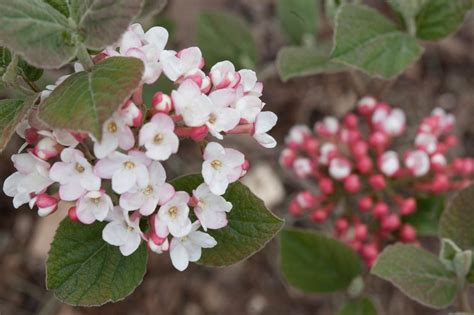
(305, 61)
(417, 273)
(439, 18)
(30, 72)
(60, 5)
(251, 225)
(85, 100)
(427, 215)
(298, 19)
(102, 24)
(370, 42)
(407, 8)
(363, 306)
(37, 32)
(224, 36)
(152, 8)
(82, 269)
(313, 262)
(12, 112)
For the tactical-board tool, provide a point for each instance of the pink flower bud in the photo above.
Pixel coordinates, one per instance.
(377, 182)
(302, 167)
(418, 162)
(328, 127)
(199, 133)
(370, 251)
(287, 157)
(306, 199)
(352, 183)
(365, 204)
(341, 225)
(391, 222)
(380, 210)
(407, 206)
(364, 164)
(359, 148)
(72, 213)
(46, 204)
(319, 215)
(294, 208)
(451, 141)
(132, 114)
(407, 233)
(366, 105)
(31, 135)
(356, 245)
(46, 148)
(311, 146)
(161, 103)
(326, 186)
(360, 232)
(389, 163)
(438, 162)
(350, 121)
(440, 183)
(339, 168)
(378, 140)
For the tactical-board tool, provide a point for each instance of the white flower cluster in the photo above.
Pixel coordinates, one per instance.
(120, 179)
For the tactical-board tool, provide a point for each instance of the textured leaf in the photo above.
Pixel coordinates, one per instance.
(363, 306)
(32, 73)
(85, 100)
(439, 18)
(313, 262)
(417, 273)
(12, 112)
(370, 42)
(224, 36)
(82, 269)
(37, 32)
(5, 59)
(298, 18)
(302, 61)
(251, 225)
(427, 215)
(102, 22)
(407, 8)
(152, 8)
(59, 5)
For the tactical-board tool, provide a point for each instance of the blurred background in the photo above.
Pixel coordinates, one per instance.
(444, 76)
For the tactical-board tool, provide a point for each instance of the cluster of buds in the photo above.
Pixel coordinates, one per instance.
(364, 185)
(120, 178)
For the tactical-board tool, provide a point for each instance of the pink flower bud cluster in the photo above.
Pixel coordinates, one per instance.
(120, 177)
(365, 186)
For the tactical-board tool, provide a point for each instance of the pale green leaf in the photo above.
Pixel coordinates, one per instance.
(60, 5)
(370, 42)
(298, 18)
(313, 262)
(12, 112)
(37, 32)
(439, 18)
(82, 269)
(417, 273)
(407, 8)
(363, 306)
(302, 61)
(251, 225)
(85, 100)
(224, 36)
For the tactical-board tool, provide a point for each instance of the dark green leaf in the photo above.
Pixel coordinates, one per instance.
(60, 5)
(370, 42)
(30, 72)
(301, 61)
(37, 32)
(298, 18)
(363, 306)
(85, 100)
(224, 36)
(251, 225)
(313, 262)
(102, 22)
(439, 18)
(417, 273)
(5, 59)
(82, 269)
(12, 112)
(427, 215)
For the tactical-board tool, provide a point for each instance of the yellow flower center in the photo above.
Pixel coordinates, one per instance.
(173, 212)
(129, 165)
(147, 191)
(216, 164)
(158, 138)
(79, 168)
(95, 200)
(112, 127)
(212, 118)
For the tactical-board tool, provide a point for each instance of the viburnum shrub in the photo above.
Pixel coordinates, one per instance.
(91, 141)
(367, 186)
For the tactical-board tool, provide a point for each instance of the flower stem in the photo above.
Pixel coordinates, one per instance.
(464, 298)
(84, 58)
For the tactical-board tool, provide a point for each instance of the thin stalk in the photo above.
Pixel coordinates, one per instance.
(31, 84)
(84, 58)
(464, 298)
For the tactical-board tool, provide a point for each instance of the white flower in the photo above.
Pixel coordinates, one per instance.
(418, 162)
(249, 106)
(159, 138)
(302, 167)
(173, 216)
(223, 75)
(126, 171)
(221, 117)
(391, 121)
(210, 209)
(115, 133)
(123, 232)
(75, 175)
(146, 199)
(190, 103)
(328, 127)
(264, 123)
(94, 205)
(184, 63)
(221, 167)
(189, 248)
(158, 249)
(327, 151)
(297, 134)
(389, 163)
(248, 82)
(339, 168)
(426, 142)
(31, 178)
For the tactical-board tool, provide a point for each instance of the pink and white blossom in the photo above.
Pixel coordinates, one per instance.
(264, 122)
(93, 206)
(418, 162)
(123, 231)
(389, 163)
(115, 134)
(209, 208)
(173, 216)
(223, 75)
(184, 63)
(159, 138)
